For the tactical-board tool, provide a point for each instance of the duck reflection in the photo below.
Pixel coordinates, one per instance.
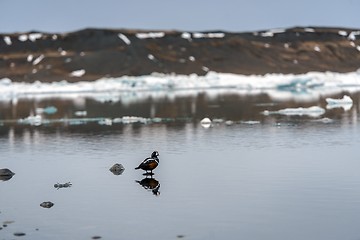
(150, 184)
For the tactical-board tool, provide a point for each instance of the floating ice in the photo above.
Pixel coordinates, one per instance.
(32, 120)
(346, 103)
(7, 40)
(48, 110)
(313, 111)
(80, 113)
(205, 122)
(78, 73)
(150, 35)
(314, 85)
(124, 38)
(192, 58)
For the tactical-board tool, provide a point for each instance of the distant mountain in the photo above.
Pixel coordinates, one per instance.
(91, 54)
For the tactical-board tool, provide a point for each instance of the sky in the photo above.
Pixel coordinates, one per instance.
(184, 15)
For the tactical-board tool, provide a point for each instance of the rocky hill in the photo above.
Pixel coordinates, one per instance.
(91, 54)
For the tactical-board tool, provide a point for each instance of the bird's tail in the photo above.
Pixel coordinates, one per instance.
(137, 167)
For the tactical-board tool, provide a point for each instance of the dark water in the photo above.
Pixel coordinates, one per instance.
(276, 177)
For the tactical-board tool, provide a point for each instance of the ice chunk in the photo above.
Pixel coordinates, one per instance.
(32, 120)
(346, 103)
(29, 58)
(313, 111)
(205, 122)
(80, 113)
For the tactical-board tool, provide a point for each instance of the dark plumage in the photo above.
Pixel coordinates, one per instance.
(150, 163)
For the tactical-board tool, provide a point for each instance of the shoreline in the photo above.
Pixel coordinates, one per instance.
(92, 54)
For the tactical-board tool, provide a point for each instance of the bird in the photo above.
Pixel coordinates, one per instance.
(150, 163)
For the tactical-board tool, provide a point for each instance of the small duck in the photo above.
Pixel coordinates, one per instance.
(149, 164)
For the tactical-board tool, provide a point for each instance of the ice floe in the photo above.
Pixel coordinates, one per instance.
(313, 111)
(346, 103)
(313, 85)
(205, 122)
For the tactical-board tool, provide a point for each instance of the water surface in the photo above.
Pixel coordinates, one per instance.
(248, 176)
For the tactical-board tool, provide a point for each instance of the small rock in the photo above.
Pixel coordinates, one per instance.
(6, 174)
(117, 169)
(96, 237)
(19, 234)
(47, 204)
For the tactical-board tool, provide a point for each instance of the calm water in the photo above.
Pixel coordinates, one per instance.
(282, 177)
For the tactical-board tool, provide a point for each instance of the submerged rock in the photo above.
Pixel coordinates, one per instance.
(19, 234)
(47, 204)
(6, 174)
(117, 169)
(62, 185)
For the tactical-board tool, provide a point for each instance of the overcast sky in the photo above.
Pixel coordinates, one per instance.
(190, 15)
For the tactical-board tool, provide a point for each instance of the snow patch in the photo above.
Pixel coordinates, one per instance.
(343, 33)
(150, 35)
(125, 39)
(38, 59)
(23, 38)
(208, 35)
(35, 36)
(7, 40)
(78, 73)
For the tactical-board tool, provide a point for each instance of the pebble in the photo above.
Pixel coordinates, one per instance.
(19, 234)
(47, 204)
(117, 169)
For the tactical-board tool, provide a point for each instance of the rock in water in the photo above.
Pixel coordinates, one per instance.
(47, 204)
(6, 174)
(117, 169)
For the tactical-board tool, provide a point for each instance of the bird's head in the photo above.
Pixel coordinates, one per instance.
(155, 154)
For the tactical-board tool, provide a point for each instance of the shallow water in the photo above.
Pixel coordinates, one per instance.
(257, 177)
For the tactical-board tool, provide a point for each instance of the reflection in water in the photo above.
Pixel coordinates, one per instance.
(89, 114)
(150, 184)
